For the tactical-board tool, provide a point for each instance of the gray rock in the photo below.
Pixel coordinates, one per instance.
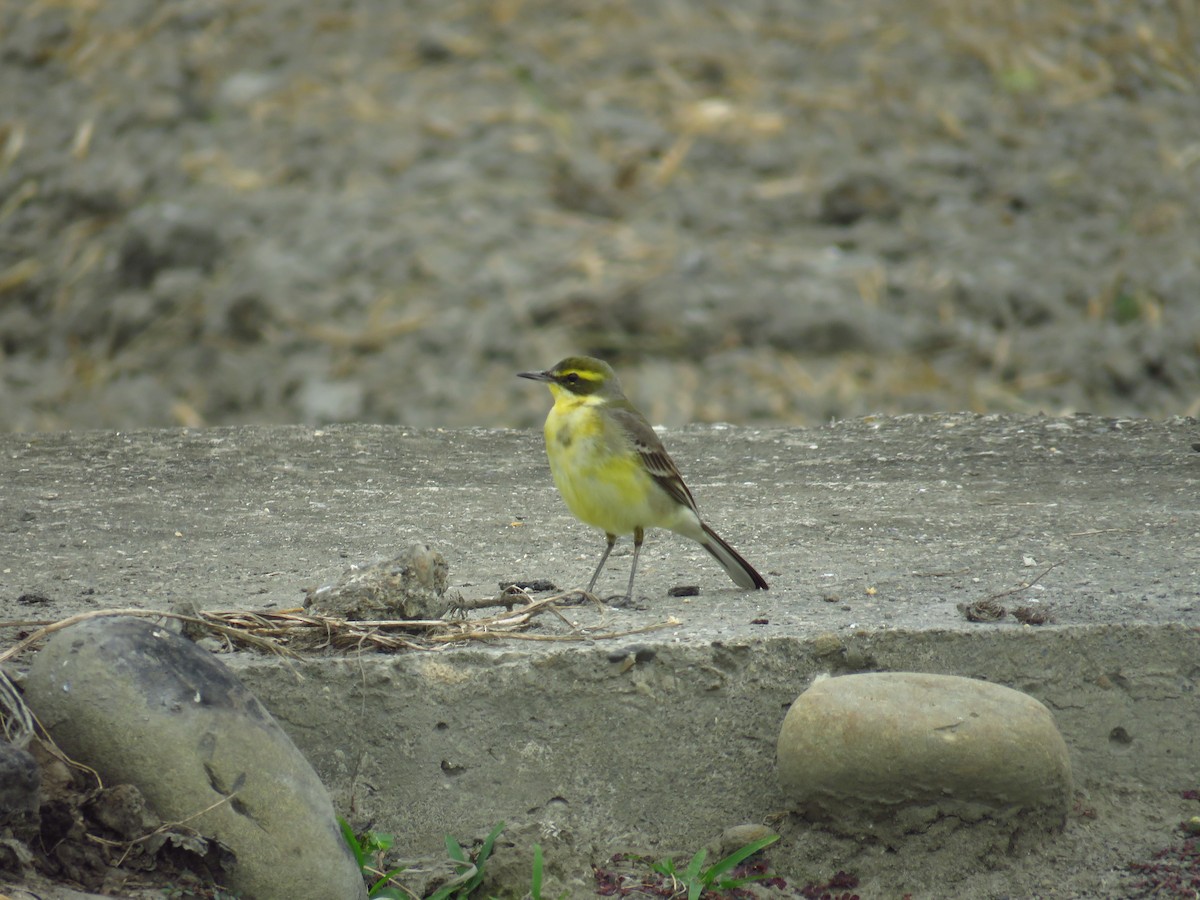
(144, 706)
(890, 751)
(411, 585)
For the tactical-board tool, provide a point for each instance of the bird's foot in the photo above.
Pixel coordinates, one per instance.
(628, 601)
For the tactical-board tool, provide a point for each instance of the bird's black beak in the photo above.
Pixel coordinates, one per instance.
(536, 376)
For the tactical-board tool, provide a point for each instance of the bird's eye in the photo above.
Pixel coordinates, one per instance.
(571, 378)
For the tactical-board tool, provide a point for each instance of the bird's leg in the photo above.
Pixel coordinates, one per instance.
(612, 539)
(638, 536)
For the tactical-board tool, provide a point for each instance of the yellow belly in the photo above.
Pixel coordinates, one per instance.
(601, 476)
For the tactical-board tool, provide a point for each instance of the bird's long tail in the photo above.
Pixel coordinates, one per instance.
(743, 574)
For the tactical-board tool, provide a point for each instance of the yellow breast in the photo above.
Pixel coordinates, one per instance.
(598, 471)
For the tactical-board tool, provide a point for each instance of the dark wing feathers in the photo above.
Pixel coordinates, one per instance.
(645, 442)
(654, 455)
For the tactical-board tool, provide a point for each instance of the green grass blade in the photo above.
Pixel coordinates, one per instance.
(455, 851)
(351, 839)
(379, 888)
(535, 882)
(484, 852)
(691, 875)
(664, 867)
(466, 871)
(717, 869)
(388, 893)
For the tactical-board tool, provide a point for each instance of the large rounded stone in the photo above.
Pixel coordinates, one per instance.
(885, 751)
(142, 705)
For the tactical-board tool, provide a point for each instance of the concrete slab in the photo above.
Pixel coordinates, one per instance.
(871, 532)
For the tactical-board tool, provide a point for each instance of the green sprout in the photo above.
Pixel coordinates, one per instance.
(697, 878)
(368, 849)
(470, 873)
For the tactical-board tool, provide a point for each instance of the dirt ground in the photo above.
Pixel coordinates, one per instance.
(217, 213)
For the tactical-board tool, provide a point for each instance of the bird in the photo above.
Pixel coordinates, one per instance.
(613, 471)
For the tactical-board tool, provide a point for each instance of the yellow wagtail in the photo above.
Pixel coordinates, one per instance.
(613, 471)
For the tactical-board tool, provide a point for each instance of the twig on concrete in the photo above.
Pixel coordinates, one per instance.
(988, 609)
(289, 631)
(203, 621)
(1023, 587)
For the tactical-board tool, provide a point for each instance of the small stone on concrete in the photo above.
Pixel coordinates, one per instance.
(411, 585)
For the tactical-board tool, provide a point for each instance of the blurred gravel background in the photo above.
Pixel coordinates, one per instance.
(215, 212)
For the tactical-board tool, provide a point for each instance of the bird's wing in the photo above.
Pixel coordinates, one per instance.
(654, 455)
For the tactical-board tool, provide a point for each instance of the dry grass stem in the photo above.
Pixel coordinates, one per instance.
(1024, 587)
(288, 632)
(15, 717)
